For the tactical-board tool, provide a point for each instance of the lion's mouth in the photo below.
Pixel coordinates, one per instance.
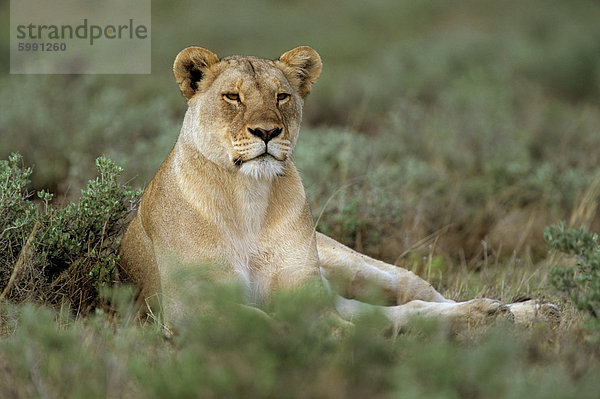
(265, 165)
(267, 155)
(264, 157)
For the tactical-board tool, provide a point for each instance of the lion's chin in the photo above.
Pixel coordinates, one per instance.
(262, 167)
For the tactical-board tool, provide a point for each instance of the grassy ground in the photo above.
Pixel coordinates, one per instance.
(441, 137)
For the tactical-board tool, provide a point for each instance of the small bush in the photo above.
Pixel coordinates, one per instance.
(236, 353)
(582, 282)
(17, 214)
(54, 255)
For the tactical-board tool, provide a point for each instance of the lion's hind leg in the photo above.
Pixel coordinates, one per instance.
(353, 275)
(459, 316)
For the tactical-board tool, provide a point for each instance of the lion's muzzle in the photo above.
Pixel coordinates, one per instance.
(265, 134)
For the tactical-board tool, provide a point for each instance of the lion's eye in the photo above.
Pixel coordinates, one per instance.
(282, 97)
(232, 97)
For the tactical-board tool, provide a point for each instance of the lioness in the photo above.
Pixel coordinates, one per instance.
(229, 195)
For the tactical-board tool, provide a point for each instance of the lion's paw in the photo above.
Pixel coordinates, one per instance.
(533, 311)
(480, 312)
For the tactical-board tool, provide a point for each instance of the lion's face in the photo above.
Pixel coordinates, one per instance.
(245, 112)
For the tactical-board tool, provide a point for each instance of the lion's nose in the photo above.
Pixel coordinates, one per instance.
(265, 134)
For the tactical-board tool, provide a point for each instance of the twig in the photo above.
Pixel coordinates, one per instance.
(12, 228)
(20, 263)
(433, 236)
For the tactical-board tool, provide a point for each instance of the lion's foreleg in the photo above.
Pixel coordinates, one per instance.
(355, 275)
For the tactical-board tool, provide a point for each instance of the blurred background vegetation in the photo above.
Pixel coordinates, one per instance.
(471, 124)
(469, 121)
(443, 136)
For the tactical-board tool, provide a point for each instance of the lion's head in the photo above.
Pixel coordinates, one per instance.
(244, 112)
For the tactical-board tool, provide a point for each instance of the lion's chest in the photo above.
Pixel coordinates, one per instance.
(244, 235)
(258, 231)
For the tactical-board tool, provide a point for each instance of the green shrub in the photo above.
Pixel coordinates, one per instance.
(61, 254)
(582, 282)
(17, 213)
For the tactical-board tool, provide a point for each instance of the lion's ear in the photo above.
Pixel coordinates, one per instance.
(190, 67)
(302, 67)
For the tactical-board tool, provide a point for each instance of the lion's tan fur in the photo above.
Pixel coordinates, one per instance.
(229, 195)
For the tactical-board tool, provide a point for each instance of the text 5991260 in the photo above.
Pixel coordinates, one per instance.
(42, 46)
